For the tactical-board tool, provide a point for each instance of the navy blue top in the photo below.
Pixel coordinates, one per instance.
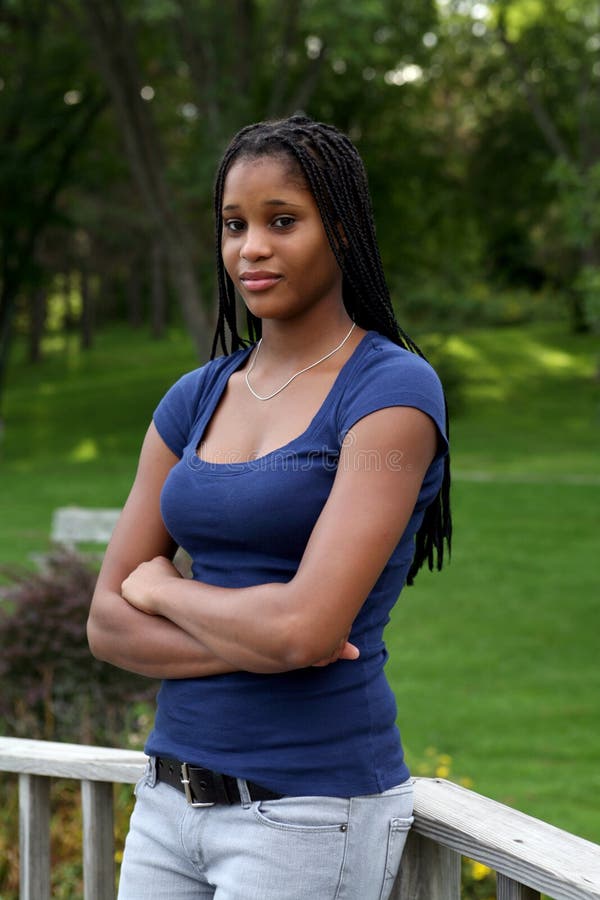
(318, 731)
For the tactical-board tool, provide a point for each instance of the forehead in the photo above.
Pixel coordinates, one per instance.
(276, 176)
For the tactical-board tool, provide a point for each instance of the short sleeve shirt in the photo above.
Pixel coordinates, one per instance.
(318, 731)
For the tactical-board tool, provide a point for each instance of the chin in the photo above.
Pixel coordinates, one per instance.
(269, 311)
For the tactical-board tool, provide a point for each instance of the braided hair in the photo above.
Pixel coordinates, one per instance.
(331, 166)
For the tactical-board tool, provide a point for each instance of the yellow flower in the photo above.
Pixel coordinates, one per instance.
(479, 871)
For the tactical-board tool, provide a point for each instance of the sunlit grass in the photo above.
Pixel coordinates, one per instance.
(493, 661)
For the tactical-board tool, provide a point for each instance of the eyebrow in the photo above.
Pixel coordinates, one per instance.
(274, 202)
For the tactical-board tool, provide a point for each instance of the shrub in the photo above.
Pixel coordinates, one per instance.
(448, 368)
(52, 687)
(434, 304)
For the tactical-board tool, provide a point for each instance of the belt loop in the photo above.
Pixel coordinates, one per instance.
(245, 797)
(151, 771)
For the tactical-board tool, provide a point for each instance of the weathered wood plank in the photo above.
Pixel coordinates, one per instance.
(507, 889)
(428, 871)
(34, 837)
(71, 760)
(98, 840)
(520, 848)
(531, 852)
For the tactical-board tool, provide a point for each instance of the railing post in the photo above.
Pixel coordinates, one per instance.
(98, 840)
(428, 871)
(34, 836)
(508, 889)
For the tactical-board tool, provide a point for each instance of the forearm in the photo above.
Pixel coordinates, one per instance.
(254, 628)
(148, 645)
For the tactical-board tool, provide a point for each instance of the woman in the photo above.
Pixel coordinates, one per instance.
(306, 474)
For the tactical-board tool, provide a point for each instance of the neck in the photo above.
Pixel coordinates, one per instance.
(298, 342)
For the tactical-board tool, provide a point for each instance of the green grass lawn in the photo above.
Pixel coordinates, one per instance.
(495, 660)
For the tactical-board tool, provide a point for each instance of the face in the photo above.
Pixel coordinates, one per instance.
(274, 245)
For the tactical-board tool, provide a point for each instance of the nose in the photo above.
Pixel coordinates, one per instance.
(255, 244)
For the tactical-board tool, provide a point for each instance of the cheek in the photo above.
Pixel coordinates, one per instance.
(227, 255)
(321, 259)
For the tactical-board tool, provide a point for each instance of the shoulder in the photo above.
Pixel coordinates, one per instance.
(386, 375)
(179, 408)
(384, 368)
(198, 381)
(390, 364)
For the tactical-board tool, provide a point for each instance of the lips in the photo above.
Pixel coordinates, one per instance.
(259, 280)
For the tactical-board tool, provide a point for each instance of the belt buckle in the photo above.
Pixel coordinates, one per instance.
(185, 780)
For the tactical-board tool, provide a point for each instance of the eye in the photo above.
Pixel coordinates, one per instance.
(233, 226)
(284, 222)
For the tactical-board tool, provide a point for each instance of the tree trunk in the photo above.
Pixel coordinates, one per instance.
(589, 258)
(70, 317)
(8, 299)
(158, 291)
(86, 321)
(17, 255)
(37, 321)
(112, 41)
(200, 50)
(134, 297)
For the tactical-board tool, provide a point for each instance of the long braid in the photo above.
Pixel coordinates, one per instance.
(337, 179)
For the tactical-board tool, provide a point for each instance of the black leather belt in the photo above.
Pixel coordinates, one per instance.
(202, 787)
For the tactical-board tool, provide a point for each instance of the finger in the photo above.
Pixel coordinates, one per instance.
(349, 651)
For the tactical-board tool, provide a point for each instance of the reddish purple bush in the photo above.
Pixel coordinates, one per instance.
(52, 687)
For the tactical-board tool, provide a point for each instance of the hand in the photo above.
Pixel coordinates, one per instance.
(344, 650)
(143, 587)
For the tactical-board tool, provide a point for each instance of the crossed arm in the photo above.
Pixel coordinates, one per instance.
(144, 617)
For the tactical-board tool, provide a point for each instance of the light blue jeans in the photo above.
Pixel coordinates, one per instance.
(296, 848)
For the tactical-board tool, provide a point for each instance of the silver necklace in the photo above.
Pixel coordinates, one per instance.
(301, 372)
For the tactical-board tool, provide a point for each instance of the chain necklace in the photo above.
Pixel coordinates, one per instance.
(301, 372)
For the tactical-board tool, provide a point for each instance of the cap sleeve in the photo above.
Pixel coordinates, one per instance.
(175, 414)
(394, 377)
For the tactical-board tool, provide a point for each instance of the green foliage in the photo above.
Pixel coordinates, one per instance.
(53, 688)
(441, 306)
(451, 373)
(467, 189)
(579, 196)
(9, 843)
(588, 285)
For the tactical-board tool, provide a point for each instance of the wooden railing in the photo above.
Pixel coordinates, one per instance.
(528, 856)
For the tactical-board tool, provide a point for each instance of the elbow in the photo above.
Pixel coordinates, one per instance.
(296, 656)
(98, 640)
(94, 639)
(301, 647)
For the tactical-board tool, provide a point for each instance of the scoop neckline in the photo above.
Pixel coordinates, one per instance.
(197, 463)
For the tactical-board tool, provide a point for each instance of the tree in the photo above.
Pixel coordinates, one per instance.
(211, 51)
(40, 135)
(112, 39)
(564, 40)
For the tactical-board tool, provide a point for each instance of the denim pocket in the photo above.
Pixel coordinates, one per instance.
(397, 834)
(304, 814)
